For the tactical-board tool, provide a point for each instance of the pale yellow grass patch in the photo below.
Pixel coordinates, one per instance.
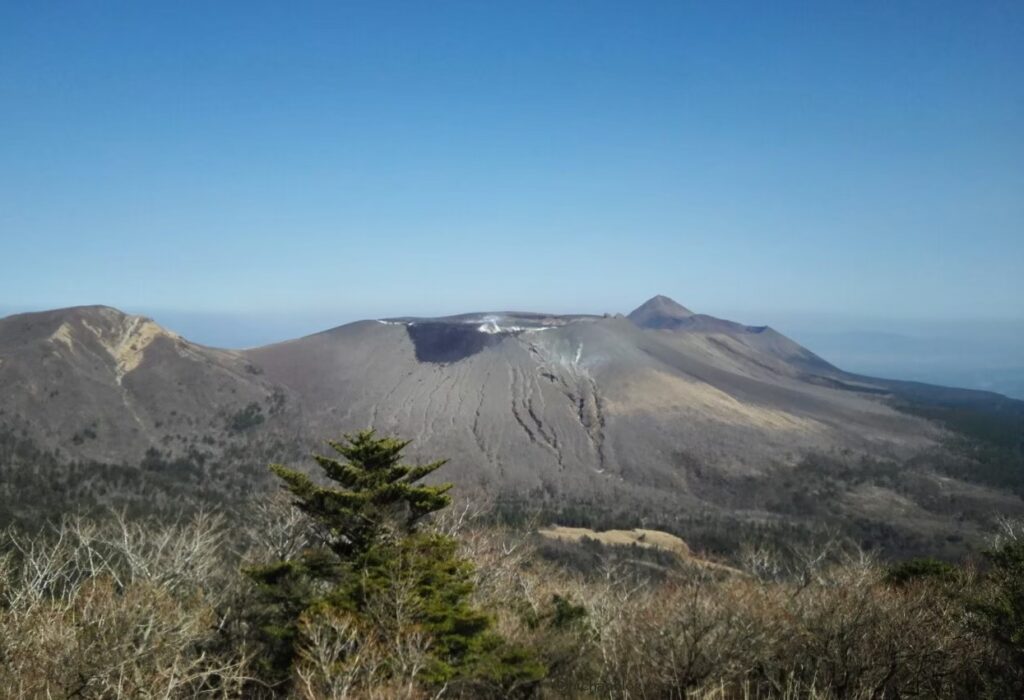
(63, 335)
(661, 391)
(640, 537)
(649, 539)
(128, 341)
(129, 349)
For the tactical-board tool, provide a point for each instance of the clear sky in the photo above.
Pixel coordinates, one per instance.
(343, 160)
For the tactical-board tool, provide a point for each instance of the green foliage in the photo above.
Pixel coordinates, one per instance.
(563, 614)
(248, 417)
(990, 438)
(38, 485)
(378, 498)
(375, 564)
(1001, 609)
(919, 569)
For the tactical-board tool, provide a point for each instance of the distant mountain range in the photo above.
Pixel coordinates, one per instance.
(664, 407)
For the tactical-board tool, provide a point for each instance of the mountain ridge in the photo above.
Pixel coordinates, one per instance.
(667, 408)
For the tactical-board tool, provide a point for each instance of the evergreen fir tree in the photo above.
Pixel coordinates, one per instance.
(367, 526)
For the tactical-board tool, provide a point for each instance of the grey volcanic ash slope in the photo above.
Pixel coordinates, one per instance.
(668, 411)
(93, 383)
(587, 405)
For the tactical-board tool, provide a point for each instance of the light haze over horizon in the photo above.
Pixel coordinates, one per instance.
(295, 163)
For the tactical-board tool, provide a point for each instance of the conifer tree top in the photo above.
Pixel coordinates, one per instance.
(376, 494)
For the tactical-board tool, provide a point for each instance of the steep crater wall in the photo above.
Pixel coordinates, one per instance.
(443, 343)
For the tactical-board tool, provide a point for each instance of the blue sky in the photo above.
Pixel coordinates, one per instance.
(298, 163)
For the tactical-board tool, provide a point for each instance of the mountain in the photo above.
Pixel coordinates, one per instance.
(667, 411)
(582, 404)
(93, 383)
(660, 312)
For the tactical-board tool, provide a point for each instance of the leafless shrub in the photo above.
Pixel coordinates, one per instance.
(461, 515)
(337, 659)
(138, 609)
(761, 562)
(379, 654)
(1007, 530)
(277, 530)
(114, 610)
(810, 624)
(839, 632)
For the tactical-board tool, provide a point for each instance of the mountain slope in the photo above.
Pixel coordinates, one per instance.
(97, 384)
(581, 404)
(679, 415)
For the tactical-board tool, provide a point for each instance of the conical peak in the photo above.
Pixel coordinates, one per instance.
(659, 311)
